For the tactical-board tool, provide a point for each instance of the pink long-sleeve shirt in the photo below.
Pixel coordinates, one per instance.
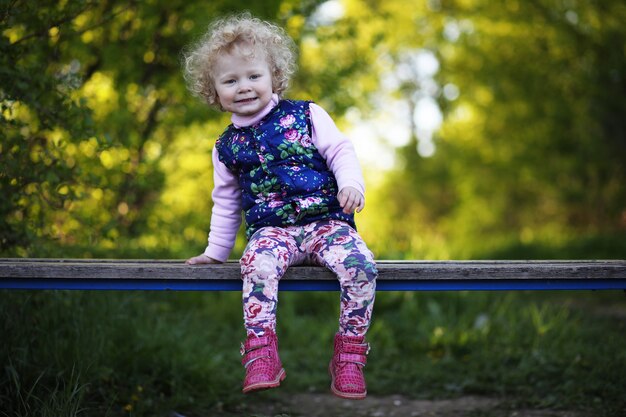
(334, 147)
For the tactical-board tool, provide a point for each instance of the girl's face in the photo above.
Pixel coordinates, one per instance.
(243, 85)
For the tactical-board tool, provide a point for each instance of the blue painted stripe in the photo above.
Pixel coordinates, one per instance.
(308, 285)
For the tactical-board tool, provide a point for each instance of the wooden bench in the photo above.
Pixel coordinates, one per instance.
(113, 274)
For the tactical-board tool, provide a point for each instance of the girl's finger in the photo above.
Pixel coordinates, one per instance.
(351, 204)
(361, 205)
(342, 199)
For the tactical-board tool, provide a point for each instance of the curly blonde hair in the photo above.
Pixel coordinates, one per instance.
(246, 35)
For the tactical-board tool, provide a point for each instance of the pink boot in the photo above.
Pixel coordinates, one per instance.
(260, 358)
(346, 367)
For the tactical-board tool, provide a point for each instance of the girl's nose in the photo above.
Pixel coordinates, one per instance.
(244, 86)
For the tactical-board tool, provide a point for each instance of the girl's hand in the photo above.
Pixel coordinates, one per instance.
(350, 200)
(201, 259)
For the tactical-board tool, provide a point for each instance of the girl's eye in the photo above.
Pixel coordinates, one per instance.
(255, 76)
(229, 82)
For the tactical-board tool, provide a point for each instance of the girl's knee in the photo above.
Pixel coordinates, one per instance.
(357, 276)
(264, 264)
(364, 263)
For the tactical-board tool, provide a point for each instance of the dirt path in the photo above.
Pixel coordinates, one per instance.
(327, 405)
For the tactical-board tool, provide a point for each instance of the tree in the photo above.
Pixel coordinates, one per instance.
(105, 153)
(532, 148)
(91, 97)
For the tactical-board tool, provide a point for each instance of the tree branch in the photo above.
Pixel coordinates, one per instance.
(67, 19)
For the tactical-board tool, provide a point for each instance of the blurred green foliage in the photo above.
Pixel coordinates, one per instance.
(82, 353)
(105, 154)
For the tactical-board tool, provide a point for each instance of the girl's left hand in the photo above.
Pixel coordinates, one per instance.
(350, 200)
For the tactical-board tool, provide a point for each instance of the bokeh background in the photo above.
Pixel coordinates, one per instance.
(485, 129)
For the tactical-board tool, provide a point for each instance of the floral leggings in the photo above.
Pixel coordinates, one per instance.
(330, 243)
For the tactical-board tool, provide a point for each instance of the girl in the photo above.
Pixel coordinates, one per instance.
(298, 182)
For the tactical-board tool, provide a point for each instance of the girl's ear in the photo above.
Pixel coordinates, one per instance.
(219, 103)
(216, 102)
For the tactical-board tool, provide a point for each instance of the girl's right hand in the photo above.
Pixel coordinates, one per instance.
(201, 259)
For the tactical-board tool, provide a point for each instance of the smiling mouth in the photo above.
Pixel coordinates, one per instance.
(246, 100)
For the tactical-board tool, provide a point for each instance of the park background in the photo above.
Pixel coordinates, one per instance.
(486, 130)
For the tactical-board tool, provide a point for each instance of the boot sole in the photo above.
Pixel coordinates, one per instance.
(341, 394)
(260, 386)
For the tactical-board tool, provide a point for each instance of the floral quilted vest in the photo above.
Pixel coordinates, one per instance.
(283, 178)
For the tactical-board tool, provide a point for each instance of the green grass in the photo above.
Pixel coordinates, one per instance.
(77, 353)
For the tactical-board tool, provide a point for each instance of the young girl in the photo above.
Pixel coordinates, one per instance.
(298, 182)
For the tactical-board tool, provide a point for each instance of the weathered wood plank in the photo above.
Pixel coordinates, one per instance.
(393, 275)
(388, 270)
